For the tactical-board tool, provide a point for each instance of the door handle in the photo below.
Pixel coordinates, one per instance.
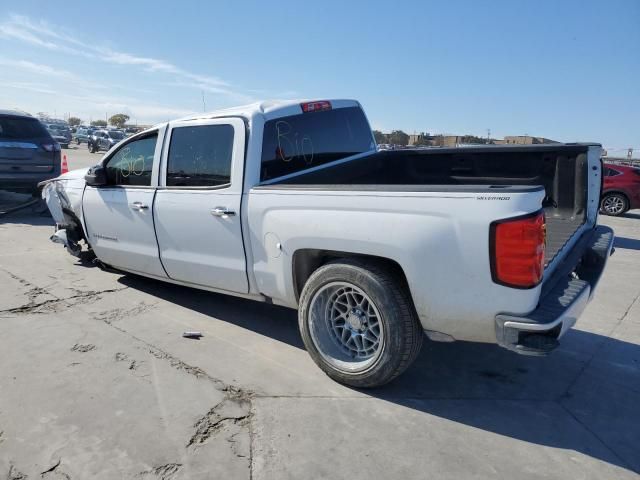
(138, 206)
(222, 212)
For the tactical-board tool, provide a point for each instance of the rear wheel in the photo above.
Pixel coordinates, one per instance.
(614, 204)
(358, 324)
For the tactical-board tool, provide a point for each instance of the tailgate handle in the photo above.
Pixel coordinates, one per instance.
(138, 206)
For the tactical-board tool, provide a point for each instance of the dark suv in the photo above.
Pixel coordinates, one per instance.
(104, 140)
(28, 154)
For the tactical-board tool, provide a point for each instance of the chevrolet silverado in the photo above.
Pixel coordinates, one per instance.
(290, 203)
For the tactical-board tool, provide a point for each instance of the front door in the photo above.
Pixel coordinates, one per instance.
(119, 216)
(197, 207)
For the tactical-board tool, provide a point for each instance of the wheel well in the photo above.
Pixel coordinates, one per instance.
(307, 261)
(619, 192)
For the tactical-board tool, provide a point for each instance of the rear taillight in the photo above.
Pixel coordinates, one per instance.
(315, 106)
(517, 250)
(51, 147)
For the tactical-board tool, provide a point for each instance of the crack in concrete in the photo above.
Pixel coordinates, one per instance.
(597, 437)
(234, 445)
(110, 316)
(230, 411)
(602, 343)
(83, 348)
(54, 472)
(121, 357)
(15, 474)
(566, 394)
(235, 409)
(55, 304)
(163, 472)
(52, 468)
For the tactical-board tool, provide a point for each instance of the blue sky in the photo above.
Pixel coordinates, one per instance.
(568, 70)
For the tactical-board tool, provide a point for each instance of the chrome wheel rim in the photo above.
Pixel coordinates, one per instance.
(346, 327)
(613, 204)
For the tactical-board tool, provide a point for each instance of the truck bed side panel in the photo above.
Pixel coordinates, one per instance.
(440, 239)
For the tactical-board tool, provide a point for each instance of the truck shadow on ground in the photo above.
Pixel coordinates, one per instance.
(553, 401)
(626, 243)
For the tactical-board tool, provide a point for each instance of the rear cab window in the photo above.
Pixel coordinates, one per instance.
(298, 142)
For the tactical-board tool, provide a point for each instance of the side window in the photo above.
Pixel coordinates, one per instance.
(200, 156)
(132, 163)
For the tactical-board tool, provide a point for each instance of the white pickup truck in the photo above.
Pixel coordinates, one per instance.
(290, 203)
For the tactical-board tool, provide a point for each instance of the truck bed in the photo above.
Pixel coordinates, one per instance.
(560, 169)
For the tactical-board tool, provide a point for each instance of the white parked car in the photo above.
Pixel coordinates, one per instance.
(290, 203)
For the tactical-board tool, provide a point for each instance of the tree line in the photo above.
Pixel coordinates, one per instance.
(118, 120)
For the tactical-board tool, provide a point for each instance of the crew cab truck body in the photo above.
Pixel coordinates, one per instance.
(290, 203)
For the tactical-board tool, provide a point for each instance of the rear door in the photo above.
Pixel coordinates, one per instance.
(119, 215)
(197, 208)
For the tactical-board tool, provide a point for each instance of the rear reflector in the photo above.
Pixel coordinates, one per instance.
(517, 250)
(315, 106)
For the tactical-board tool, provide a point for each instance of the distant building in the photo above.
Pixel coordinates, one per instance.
(453, 140)
(526, 140)
(419, 139)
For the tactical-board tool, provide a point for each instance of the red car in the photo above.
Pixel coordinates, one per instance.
(621, 189)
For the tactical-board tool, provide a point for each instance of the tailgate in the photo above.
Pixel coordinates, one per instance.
(24, 157)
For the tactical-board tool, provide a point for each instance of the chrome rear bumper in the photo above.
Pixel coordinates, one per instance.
(564, 297)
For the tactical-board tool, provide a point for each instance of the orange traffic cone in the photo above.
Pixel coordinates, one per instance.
(65, 167)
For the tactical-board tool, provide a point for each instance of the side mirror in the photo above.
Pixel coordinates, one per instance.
(96, 176)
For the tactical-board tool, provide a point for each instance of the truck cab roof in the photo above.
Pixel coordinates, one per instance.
(269, 109)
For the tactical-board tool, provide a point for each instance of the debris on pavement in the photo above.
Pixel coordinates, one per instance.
(192, 334)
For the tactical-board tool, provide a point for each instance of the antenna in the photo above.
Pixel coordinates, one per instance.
(204, 104)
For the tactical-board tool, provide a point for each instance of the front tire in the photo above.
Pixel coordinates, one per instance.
(614, 204)
(358, 323)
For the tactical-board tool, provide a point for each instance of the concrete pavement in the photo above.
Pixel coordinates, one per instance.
(97, 382)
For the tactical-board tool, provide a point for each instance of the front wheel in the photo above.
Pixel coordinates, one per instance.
(358, 323)
(614, 204)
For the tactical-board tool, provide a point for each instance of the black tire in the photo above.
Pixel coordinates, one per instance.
(403, 334)
(78, 142)
(614, 204)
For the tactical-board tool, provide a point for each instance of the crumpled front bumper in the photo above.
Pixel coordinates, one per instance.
(563, 299)
(67, 230)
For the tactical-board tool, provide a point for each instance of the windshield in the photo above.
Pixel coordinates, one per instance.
(17, 128)
(116, 135)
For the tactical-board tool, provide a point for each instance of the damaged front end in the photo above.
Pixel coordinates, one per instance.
(64, 207)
